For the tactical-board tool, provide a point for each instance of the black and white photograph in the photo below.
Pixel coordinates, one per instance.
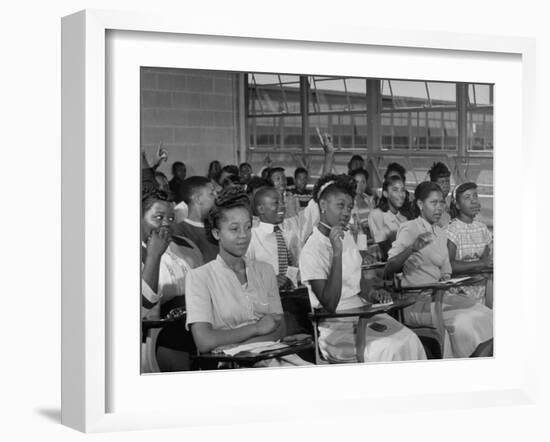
(307, 220)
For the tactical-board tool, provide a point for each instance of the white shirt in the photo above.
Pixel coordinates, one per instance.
(263, 245)
(180, 212)
(384, 225)
(315, 262)
(215, 295)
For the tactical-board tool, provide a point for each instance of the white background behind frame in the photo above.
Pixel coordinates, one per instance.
(297, 390)
(30, 391)
(134, 393)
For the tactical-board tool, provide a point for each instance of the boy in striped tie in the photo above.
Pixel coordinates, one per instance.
(274, 240)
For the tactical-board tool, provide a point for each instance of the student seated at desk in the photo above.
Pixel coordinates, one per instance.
(199, 194)
(165, 266)
(384, 221)
(397, 170)
(420, 252)
(275, 240)
(232, 299)
(469, 240)
(330, 266)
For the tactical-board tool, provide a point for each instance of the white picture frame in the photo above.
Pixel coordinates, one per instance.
(87, 214)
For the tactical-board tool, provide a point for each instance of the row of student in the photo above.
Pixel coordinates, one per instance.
(203, 197)
(332, 286)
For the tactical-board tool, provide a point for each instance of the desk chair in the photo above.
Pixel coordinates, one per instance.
(432, 337)
(486, 273)
(150, 331)
(438, 331)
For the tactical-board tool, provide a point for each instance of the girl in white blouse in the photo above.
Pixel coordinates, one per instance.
(384, 221)
(330, 265)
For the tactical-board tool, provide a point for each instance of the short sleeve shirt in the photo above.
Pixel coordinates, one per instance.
(470, 239)
(428, 264)
(315, 263)
(384, 225)
(215, 295)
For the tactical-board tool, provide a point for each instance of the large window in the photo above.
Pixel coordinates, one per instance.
(338, 106)
(480, 117)
(413, 122)
(274, 119)
(279, 104)
(419, 115)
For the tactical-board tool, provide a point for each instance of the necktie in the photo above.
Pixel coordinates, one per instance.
(282, 251)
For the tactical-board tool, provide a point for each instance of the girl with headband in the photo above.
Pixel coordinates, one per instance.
(469, 241)
(384, 221)
(330, 266)
(420, 253)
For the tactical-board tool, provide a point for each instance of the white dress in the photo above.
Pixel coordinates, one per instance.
(350, 339)
(467, 323)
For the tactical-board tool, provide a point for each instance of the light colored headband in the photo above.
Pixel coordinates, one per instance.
(323, 187)
(454, 192)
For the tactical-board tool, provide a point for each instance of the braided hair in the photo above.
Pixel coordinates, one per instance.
(229, 198)
(150, 195)
(329, 184)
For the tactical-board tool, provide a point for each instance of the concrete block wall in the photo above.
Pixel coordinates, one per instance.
(193, 113)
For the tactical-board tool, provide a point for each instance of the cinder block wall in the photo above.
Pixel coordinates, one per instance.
(193, 113)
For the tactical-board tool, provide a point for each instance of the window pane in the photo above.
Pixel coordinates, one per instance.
(442, 94)
(337, 94)
(406, 94)
(349, 131)
(282, 132)
(273, 94)
(480, 130)
(480, 94)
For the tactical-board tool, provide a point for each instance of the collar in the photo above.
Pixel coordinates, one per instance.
(319, 234)
(426, 226)
(268, 227)
(194, 223)
(222, 263)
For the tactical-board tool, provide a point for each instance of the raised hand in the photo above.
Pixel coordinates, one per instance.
(326, 141)
(422, 241)
(162, 154)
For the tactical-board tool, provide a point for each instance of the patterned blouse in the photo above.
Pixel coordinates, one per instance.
(470, 240)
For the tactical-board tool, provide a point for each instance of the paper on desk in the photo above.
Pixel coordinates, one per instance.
(455, 280)
(292, 274)
(255, 347)
(362, 241)
(382, 304)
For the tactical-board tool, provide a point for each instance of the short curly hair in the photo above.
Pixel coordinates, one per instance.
(229, 198)
(150, 195)
(396, 167)
(330, 184)
(438, 170)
